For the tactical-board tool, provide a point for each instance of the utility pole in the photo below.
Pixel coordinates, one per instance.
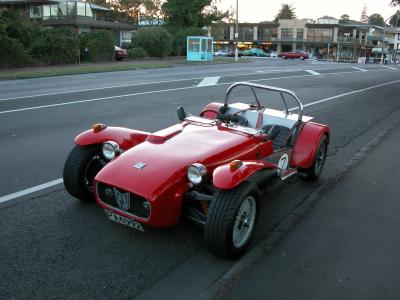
(237, 31)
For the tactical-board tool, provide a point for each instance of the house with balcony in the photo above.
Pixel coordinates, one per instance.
(78, 15)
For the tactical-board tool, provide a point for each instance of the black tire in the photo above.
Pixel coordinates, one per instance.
(81, 166)
(221, 219)
(315, 170)
(283, 56)
(302, 58)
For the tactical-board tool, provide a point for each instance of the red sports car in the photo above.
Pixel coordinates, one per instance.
(211, 168)
(294, 54)
(120, 53)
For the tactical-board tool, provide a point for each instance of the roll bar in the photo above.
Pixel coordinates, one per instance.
(269, 88)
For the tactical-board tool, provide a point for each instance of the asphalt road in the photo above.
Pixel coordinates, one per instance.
(54, 247)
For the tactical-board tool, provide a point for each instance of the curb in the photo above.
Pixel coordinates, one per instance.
(241, 267)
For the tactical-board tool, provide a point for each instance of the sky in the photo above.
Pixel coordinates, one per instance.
(265, 10)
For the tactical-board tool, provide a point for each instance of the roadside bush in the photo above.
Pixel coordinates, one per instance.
(179, 35)
(56, 46)
(97, 46)
(135, 53)
(156, 41)
(12, 53)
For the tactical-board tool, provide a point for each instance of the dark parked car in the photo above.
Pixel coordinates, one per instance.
(120, 53)
(293, 54)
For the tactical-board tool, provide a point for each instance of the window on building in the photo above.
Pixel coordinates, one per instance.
(246, 33)
(194, 45)
(88, 10)
(264, 34)
(287, 34)
(46, 12)
(54, 11)
(300, 34)
(35, 11)
(80, 9)
(319, 35)
(71, 8)
(62, 9)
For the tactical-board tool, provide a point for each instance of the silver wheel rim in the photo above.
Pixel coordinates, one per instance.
(244, 222)
(319, 163)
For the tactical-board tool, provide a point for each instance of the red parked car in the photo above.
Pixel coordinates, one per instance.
(120, 53)
(211, 168)
(294, 54)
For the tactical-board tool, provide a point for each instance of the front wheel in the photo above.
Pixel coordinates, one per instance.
(81, 166)
(231, 220)
(315, 170)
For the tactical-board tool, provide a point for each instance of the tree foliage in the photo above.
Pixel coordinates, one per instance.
(152, 12)
(287, 11)
(156, 41)
(344, 17)
(395, 19)
(376, 19)
(194, 13)
(395, 2)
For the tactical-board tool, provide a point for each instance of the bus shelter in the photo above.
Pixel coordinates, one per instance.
(199, 48)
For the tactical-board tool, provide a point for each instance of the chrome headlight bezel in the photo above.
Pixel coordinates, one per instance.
(110, 150)
(196, 173)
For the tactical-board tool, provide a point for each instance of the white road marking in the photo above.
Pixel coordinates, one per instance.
(159, 91)
(85, 76)
(207, 81)
(144, 83)
(95, 89)
(313, 72)
(12, 82)
(346, 94)
(360, 69)
(387, 67)
(30, 190)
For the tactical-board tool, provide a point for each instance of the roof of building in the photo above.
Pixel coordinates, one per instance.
(92, 5)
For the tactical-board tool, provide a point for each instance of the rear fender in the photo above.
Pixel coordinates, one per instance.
(225, 178)
(307, 144)
(126, 138)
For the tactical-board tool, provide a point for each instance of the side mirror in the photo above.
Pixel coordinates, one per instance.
(181, 113)
(273, 132)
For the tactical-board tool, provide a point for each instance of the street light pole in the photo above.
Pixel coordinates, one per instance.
(237, 31)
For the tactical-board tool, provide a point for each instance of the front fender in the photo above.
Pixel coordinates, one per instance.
(307, 144)
(125, 137)
(225, 178)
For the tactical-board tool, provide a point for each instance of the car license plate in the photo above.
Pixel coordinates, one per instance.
(122, 220)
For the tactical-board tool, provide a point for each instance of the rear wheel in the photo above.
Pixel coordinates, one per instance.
(283, 56)
(231, 220)
(315, 170)
(302, 57)
(81, 166)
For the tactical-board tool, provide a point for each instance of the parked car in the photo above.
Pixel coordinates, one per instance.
(231, 53)
(255, 52)
(211, 168)
(294, 54)
(272, 54)
(221, 53)
(120, 53)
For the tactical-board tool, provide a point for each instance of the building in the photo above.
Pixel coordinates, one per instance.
(326, 38)
(79, 15)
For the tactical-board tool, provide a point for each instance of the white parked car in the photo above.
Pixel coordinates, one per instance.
(221, 53)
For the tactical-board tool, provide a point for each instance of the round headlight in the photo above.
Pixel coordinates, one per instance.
(110, 149)
(196, 173)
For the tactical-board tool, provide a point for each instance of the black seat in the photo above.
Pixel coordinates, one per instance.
(281, 139)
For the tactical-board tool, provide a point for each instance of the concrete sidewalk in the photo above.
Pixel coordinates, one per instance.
(346, 247)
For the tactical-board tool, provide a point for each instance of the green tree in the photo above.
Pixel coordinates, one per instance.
(395, 2)
(152, 12)
(345, 17)
(287, 11)
(194, 13)
(395, 19)
(376, 19)
(156, 41)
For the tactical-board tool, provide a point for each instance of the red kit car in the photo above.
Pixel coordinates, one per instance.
(211, 168)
